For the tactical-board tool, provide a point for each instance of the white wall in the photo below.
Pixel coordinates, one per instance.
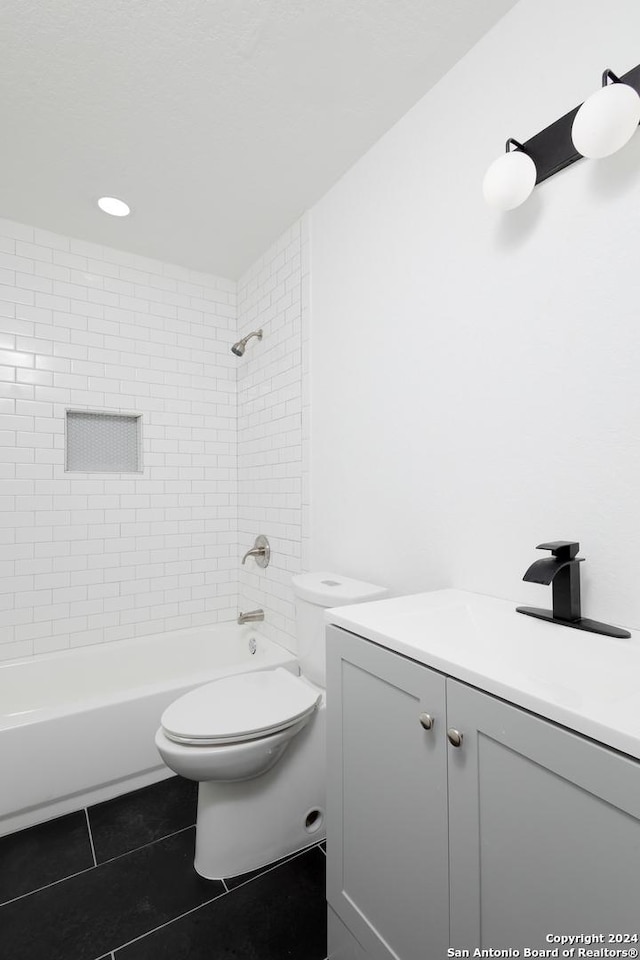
(271, 449)
(476, 377)
(92, 557)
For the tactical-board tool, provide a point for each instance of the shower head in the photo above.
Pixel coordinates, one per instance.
(239, 347)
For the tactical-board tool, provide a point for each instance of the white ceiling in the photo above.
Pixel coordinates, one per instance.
(218, 121)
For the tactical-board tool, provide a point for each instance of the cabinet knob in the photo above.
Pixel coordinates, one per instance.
(426, 720)
(455, 737)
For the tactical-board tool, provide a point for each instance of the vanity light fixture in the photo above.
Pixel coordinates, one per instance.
(596, 128)
(510, 179)
(114, 207)
(607, 120)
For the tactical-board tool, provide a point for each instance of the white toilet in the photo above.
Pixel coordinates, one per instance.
(255, 742)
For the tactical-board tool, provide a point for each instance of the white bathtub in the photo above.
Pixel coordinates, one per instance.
(78, 727)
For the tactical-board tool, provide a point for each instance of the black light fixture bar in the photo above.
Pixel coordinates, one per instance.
(552, 149)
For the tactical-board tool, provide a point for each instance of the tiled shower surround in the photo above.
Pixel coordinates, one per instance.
(87, 557)
(272, 441)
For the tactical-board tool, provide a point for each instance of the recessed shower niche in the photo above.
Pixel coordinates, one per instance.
(103, 442)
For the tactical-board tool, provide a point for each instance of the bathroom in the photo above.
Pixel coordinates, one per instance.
(438, 389)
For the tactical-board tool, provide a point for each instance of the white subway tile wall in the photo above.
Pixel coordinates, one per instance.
(86, 558)
(273, 295)
(305, 379)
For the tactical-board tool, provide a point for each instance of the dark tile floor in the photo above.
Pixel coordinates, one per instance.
(130, 821)
(279, 914)
(46, 853)
(117, 881)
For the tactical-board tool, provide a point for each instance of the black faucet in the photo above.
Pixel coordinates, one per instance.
(563, 572)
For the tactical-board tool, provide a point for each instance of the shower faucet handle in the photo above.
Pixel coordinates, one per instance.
(260, 551)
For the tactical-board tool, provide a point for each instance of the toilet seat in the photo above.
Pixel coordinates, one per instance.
(246, 706)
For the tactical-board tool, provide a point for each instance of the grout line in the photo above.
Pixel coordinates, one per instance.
(53, 883)
(95, 867)
(93, 849)
(274, 866)
(167, 922)
(206, 903)
(149, 844)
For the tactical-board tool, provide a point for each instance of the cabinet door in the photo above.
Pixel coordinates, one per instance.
(544, 829)
(387, 852)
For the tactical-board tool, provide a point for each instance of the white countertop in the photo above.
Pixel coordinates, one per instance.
(585, 681)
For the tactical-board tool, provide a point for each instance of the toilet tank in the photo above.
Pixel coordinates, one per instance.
(314, 593)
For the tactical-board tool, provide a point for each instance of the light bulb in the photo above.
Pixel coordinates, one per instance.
(509, 180)
(606, 121)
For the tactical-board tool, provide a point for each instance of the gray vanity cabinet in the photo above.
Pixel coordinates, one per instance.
(523, 829)
(387, 857)
(544, 828)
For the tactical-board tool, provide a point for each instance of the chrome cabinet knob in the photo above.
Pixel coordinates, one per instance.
(426, 720)
(455, 737)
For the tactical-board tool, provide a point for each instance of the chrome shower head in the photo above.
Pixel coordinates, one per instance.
(239, 347)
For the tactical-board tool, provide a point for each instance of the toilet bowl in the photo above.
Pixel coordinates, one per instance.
(239, 726)
(255, 742)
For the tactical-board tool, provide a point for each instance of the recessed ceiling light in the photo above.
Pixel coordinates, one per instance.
(113, 206)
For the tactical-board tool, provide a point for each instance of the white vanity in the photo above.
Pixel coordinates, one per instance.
(483, 782)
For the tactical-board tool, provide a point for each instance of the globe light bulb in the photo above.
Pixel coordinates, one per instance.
(509, 180)
(606, 121)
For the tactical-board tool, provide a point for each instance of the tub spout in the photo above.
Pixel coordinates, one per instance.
(253, 616)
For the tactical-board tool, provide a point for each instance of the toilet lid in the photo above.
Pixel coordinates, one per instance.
(242, 707)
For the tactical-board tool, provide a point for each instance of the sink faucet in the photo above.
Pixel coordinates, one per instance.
(562, 571)
(253, 616)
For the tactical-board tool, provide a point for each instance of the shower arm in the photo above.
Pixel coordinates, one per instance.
(239, 347)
